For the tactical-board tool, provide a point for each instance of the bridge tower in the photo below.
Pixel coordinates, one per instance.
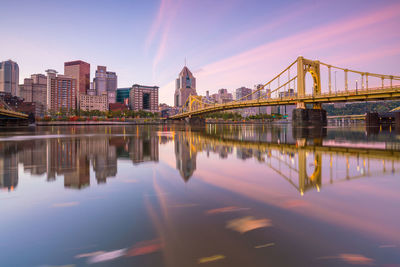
(302, 115)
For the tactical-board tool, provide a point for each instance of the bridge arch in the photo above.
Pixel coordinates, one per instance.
(312, 67)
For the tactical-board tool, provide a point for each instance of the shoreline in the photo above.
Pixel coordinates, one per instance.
(66, 123)
(85, 123)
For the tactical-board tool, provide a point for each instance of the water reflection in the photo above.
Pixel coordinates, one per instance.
(307, 158)
(229, 195)
(71, 156)
(298, 155)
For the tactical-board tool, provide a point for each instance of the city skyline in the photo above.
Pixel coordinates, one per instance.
(236, 45)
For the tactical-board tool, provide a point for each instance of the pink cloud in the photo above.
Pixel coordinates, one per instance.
(254, 62)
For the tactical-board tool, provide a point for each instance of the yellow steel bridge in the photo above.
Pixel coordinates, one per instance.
(7, 113)
(276, 91)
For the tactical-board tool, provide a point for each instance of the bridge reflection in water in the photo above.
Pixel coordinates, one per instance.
(307, 158)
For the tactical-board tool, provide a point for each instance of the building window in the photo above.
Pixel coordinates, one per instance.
(146, 101)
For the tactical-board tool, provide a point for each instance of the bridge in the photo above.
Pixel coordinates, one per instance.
(285, 89)
(11, 117)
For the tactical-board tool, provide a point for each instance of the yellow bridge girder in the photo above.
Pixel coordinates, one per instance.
(13, 114)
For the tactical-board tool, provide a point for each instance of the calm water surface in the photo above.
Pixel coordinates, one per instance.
(223, 195)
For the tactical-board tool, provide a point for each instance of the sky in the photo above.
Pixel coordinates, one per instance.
(227, 44)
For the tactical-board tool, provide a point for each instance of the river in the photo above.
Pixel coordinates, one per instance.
(219, 195)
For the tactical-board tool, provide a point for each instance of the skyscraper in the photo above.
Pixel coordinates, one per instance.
(185, 86)
(80, 71)
(100, 80)
(9, 77)
(105, 82)
(61, 92)
(111, 86)
(242, 92)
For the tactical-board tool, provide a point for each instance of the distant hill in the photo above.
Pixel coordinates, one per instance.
(360, 107)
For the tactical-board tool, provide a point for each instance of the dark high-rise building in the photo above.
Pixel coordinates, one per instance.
(105, 82)
(9, 77)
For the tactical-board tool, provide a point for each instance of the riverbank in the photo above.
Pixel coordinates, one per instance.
(66, 123)
(153, 122)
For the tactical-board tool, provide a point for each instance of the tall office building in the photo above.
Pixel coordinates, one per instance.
(80, 71)
(185, 86)
(9, 77)
(34, 89)
(242, 92)
(223, 96)
(106, 82)
(100, 80)
(144, 98)
(61, 92)
(111, 86)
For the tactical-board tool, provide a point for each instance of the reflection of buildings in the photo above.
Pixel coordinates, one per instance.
(185, 157)
(301, 160)
(8, 168)
(143, 149)
(64, 158)
(72, 157)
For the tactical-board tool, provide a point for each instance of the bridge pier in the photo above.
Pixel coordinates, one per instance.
(372, 119)
(397, 121)
(306, 117)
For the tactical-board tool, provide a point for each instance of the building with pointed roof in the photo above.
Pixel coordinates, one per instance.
(185, 86)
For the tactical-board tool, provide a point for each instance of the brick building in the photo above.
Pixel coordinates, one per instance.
(143, 97)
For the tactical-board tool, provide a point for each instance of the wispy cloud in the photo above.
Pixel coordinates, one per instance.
(157, 23)
(161, 29)
(252, 63)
